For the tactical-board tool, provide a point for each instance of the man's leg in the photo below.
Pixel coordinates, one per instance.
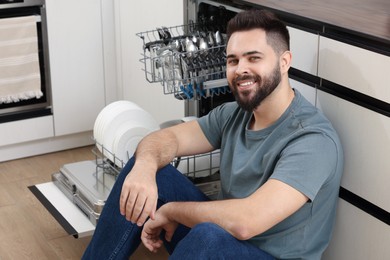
(179, 188)
(209, 241)
(117, 238)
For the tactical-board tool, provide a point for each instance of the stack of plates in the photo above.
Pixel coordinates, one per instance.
(118, 129)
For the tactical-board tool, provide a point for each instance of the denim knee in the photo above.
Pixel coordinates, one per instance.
(210, 241)
(203, 241)
(212, 235)
(208, 232)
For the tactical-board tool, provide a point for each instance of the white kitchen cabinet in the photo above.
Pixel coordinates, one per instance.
(365, 136)
(358, 69)
(133, 17)
(304, 49)
(21, 131)
(307, 91)
(357, 235)
(76, 63)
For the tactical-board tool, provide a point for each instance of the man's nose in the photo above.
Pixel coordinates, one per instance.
(242, 68)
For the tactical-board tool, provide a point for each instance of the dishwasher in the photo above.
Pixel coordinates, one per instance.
(189, 62)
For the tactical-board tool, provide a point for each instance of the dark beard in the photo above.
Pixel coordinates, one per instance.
(265, 87)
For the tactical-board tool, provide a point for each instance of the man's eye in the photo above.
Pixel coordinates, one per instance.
(254, 58)
(232, 61)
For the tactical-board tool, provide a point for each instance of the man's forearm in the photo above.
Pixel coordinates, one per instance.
(159, 148)
(221, 213)
(243, 218)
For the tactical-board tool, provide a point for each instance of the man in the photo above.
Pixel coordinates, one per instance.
(281, 164)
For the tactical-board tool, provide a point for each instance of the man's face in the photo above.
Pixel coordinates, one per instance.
(253, 69)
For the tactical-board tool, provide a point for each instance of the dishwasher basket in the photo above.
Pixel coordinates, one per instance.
(188, 60)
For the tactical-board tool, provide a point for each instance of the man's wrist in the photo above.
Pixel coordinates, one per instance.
(169, 210)
(145, 165)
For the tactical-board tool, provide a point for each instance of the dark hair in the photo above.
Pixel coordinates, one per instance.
(276, 31)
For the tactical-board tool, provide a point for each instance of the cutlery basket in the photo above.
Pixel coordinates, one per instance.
(188, 60)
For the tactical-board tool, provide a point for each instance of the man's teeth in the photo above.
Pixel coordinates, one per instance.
(246, 84)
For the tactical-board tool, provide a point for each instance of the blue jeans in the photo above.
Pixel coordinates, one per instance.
(117, 238)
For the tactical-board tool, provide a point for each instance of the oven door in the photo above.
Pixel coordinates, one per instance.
(23, 69)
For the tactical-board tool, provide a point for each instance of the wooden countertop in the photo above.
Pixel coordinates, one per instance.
(369, 17)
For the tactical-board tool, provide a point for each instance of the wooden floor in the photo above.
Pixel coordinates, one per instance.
(27, 229)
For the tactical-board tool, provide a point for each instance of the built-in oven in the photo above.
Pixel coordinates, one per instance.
(24, 60)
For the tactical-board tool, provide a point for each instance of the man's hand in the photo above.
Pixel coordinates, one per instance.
(150, 235)
(138, 199)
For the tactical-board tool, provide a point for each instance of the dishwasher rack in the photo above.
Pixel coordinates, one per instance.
(106, 161)
(188, 60)
(201, 169)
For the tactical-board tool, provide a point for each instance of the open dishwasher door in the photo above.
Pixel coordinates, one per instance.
(78, 192)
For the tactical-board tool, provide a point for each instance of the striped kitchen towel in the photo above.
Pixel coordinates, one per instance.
(19, 62)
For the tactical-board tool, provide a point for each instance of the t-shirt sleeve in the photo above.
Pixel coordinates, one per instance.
(214, 123)
(304, 166)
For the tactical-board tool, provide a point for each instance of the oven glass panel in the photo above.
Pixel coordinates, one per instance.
(32, 106)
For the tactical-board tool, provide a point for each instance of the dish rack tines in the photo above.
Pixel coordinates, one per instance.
(199, 168)
(111, 167)
(202, 169)
(188, 60)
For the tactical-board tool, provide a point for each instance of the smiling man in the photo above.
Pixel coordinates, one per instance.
(281, 164)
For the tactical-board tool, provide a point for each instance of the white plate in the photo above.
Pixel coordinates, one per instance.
(112, 117)
(113, 112)
(135, 116)
(107, 113)
(126, 140)
(189, 118)
(107, 110)
(101, 115)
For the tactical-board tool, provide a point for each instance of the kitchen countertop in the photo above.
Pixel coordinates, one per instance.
(367, 17)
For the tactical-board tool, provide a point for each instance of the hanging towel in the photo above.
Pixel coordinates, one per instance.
(20, 77)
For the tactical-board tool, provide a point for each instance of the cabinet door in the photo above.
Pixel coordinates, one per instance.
(365, 136)
(358, 236)
(20, 131)
(361, 70)
(139, 16)
(304, 48)
(76, 63)
(307, 91)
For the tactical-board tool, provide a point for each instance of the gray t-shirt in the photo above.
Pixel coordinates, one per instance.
(300, 149)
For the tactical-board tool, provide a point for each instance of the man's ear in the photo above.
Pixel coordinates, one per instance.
(285, 61)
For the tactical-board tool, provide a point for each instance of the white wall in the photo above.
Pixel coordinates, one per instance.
(138, 16)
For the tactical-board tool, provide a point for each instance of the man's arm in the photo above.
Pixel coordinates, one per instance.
(243, 218)
(139, 192)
